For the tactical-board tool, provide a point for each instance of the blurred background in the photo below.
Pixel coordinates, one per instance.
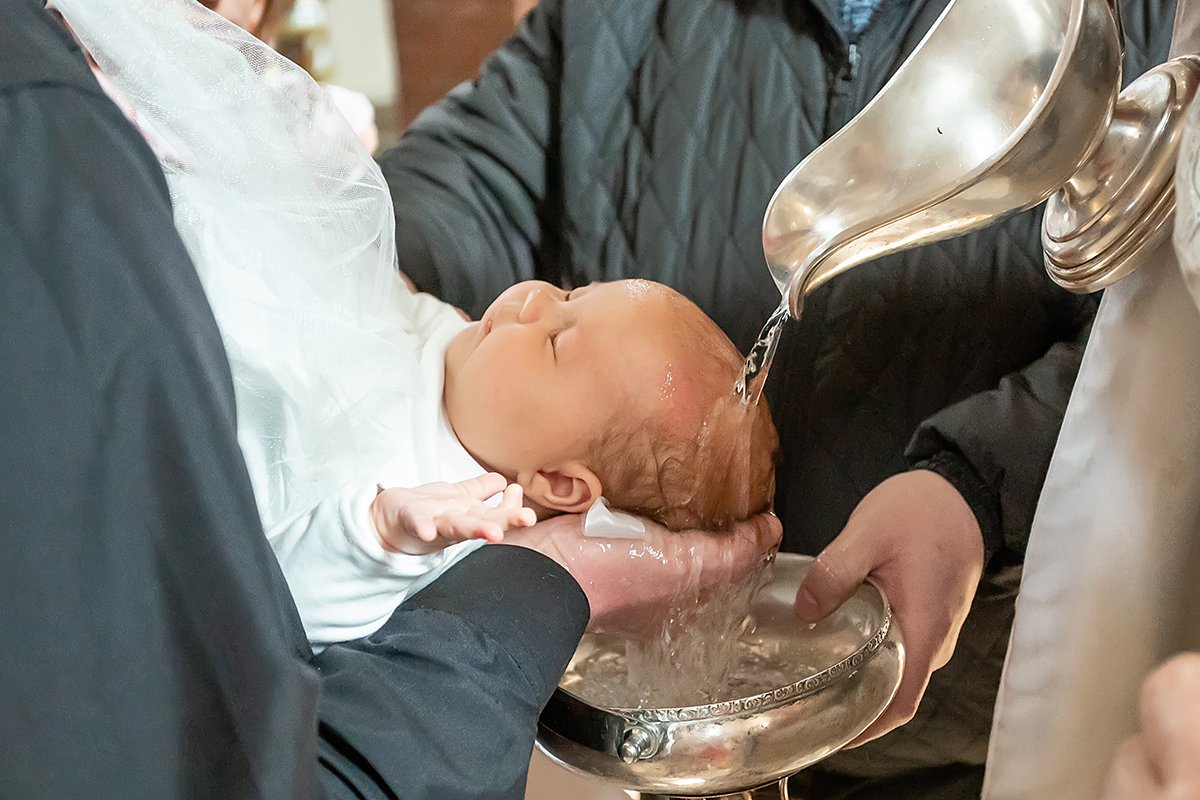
(401, 54)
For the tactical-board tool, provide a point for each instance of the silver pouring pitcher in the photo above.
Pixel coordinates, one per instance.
(1002, 105)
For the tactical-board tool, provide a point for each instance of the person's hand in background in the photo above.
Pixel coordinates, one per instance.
(1162, 761)
(917, 538)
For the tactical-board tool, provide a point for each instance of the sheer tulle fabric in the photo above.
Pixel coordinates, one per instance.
(290, 225)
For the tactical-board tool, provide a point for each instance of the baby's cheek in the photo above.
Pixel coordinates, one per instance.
(514, 399)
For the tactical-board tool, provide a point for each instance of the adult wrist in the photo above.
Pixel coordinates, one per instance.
(979, 497)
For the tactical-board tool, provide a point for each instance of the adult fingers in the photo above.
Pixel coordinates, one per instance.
(721, 557)
(903, 706)
(749, 542)
(834, 575)
(1130, 775)
(764, 529)
(923, 627)
(1170, 718)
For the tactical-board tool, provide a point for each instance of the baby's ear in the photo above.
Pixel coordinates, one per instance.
(571, 487)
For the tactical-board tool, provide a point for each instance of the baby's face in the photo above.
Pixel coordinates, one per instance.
(530, 386)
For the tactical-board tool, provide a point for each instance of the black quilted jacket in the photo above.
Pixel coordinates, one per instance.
(618, 138)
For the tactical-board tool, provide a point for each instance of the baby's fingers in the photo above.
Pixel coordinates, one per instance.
(518, 517)
(514, 496)
(424, 526)
(484, 486)
(507, 517)
(457, 526)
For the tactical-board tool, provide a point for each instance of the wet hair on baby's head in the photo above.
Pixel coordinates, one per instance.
(690, 454)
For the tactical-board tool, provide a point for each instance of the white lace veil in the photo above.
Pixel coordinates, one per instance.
(290, 225)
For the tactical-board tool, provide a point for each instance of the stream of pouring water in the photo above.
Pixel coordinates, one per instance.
(749, 384)
(700, 653)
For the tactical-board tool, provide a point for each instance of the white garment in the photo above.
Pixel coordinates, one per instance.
(336, 365)
(1111, 556)
(344, 583)
(1110, 588)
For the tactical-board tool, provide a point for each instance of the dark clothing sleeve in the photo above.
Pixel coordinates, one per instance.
(995, 447)
(478, 651)
(150, 645)
(471, 182)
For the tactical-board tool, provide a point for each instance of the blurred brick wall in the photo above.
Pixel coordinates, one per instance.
(440, 43)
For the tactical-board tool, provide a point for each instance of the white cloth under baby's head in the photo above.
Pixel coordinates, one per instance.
(601, 522)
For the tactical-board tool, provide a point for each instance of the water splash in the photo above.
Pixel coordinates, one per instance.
(667, 390)
(749, 384)
(701, 652)
(608, 677)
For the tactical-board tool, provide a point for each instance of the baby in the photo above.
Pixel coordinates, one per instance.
(552, 400)
(376, 423)
(619, 389)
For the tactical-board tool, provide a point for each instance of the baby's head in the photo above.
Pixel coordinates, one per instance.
(618, 389)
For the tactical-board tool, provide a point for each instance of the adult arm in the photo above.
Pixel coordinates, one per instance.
(471, 178)
(926, 535)
(135, 539)
(442, 702)
(995, 447)
(485, 644)
(135, 542)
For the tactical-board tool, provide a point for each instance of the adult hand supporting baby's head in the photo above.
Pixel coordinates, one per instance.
(629, 582)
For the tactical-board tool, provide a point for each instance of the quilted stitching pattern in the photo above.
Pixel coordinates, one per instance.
(679, 124)
(668, 124)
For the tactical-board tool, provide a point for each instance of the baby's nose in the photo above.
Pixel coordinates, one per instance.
(537, 303)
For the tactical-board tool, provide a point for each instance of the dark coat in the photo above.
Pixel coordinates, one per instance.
(621, 138)
(148, 644)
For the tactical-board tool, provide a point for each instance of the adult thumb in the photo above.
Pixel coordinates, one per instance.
(832, 578)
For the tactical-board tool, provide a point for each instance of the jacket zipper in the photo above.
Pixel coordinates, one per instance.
(837, 114)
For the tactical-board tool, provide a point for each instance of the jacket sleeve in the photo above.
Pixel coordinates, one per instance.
(442, 703)
(470, 178)
(995, 447)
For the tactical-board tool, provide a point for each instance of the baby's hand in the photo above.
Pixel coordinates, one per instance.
(436, 515)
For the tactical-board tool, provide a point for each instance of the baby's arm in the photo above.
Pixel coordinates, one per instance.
(344, 580)
(436, 515)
